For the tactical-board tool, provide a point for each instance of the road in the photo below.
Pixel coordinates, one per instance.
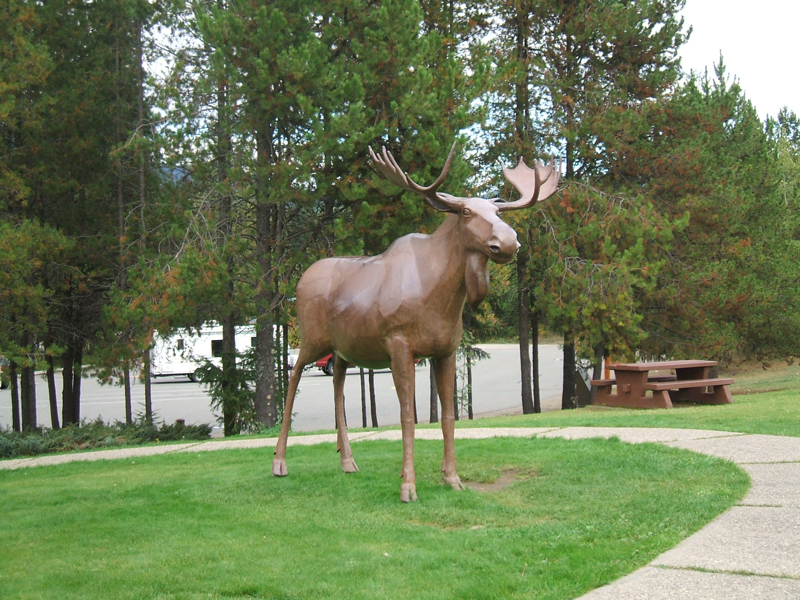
(496, 388)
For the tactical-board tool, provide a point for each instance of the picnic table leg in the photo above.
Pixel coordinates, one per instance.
(721, 394)
(603, 394)
(661, 399)
(630, 392)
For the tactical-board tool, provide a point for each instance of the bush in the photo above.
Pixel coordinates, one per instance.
(96, 434)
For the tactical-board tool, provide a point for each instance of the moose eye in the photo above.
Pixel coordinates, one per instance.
(466, 212)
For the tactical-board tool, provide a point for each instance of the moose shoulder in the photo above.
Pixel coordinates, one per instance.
(406, 303)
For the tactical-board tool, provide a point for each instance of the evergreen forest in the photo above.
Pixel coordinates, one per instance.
(165, 164)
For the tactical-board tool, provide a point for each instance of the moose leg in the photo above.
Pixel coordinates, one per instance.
(279, 462)
(444, 370)
(342, 442)
(403, 376)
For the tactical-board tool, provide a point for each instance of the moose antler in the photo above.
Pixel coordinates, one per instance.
(534, 184)
(387, 165)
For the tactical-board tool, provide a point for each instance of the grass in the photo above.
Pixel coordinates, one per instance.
(217, 525)
(773, 413)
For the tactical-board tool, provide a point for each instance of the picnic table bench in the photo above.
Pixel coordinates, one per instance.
(690, 383)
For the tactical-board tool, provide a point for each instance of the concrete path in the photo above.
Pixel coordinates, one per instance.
(750, 552)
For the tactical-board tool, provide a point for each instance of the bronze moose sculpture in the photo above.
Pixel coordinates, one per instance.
(388, 310)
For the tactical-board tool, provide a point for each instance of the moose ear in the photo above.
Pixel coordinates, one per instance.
(443, 202)
(534, 184)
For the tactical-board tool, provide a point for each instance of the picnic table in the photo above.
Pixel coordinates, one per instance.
(688, 381)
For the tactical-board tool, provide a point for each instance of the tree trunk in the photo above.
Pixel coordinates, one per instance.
(467, 319)
(569, 395)
(141, 129)
(372, 404)
(434, 396)
(28, 397)
(469, 389)
(266, 227)
(228, 373)
(71, 384)
(537, 392)
(522, 125)
(126, 382)
(67, 397)
(52, 393)
(28, 388)
(266, 405)
(148, 388)
(228, 320)
(277, 344)
(126, 373)
(363, 398)
(77, 376)
(523, 310)
(14, 383)
(456, 407)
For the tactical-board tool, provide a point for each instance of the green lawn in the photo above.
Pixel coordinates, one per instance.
(217, 524)
(774, 413)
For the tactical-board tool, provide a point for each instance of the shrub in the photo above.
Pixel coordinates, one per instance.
(96, 434)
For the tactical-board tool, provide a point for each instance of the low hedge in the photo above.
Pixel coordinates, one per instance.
(96, 434)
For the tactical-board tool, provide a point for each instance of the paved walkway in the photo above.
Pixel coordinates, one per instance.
(750, 552)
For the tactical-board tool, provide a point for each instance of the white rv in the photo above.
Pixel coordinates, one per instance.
(182, 353)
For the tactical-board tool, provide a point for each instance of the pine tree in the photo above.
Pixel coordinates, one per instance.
(725, 290)
(583, 75)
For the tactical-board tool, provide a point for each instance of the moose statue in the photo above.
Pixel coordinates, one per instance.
(388, 310)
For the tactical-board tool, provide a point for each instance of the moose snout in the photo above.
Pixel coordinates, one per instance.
(502, 248)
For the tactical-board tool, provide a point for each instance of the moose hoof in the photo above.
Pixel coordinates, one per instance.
(408, 492)
(454, 482)
(349, 465)
(279, 467)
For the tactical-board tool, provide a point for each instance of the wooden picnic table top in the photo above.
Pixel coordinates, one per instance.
(661, 365)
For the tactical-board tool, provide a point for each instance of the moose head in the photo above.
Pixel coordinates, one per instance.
(406, 304)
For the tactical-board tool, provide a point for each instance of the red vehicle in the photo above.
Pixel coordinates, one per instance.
(325, 364)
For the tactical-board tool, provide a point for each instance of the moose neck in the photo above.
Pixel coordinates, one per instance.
(464, 269)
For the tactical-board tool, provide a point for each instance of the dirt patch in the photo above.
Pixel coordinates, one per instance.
(506, 479)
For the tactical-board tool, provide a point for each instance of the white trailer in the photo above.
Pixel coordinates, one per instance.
(182, 353)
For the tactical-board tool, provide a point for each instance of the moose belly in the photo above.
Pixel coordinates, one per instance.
(371, 352)
(370, 364)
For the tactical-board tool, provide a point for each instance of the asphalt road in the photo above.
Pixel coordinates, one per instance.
(496, 389)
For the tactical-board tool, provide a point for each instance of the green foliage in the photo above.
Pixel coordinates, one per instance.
(32, 273)
(276, 106)
(233, 391)
(579, 514)
(496, 317)
(167, 164)
(96, 434)
(582, 80)
(726, 287)
(596, 256)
